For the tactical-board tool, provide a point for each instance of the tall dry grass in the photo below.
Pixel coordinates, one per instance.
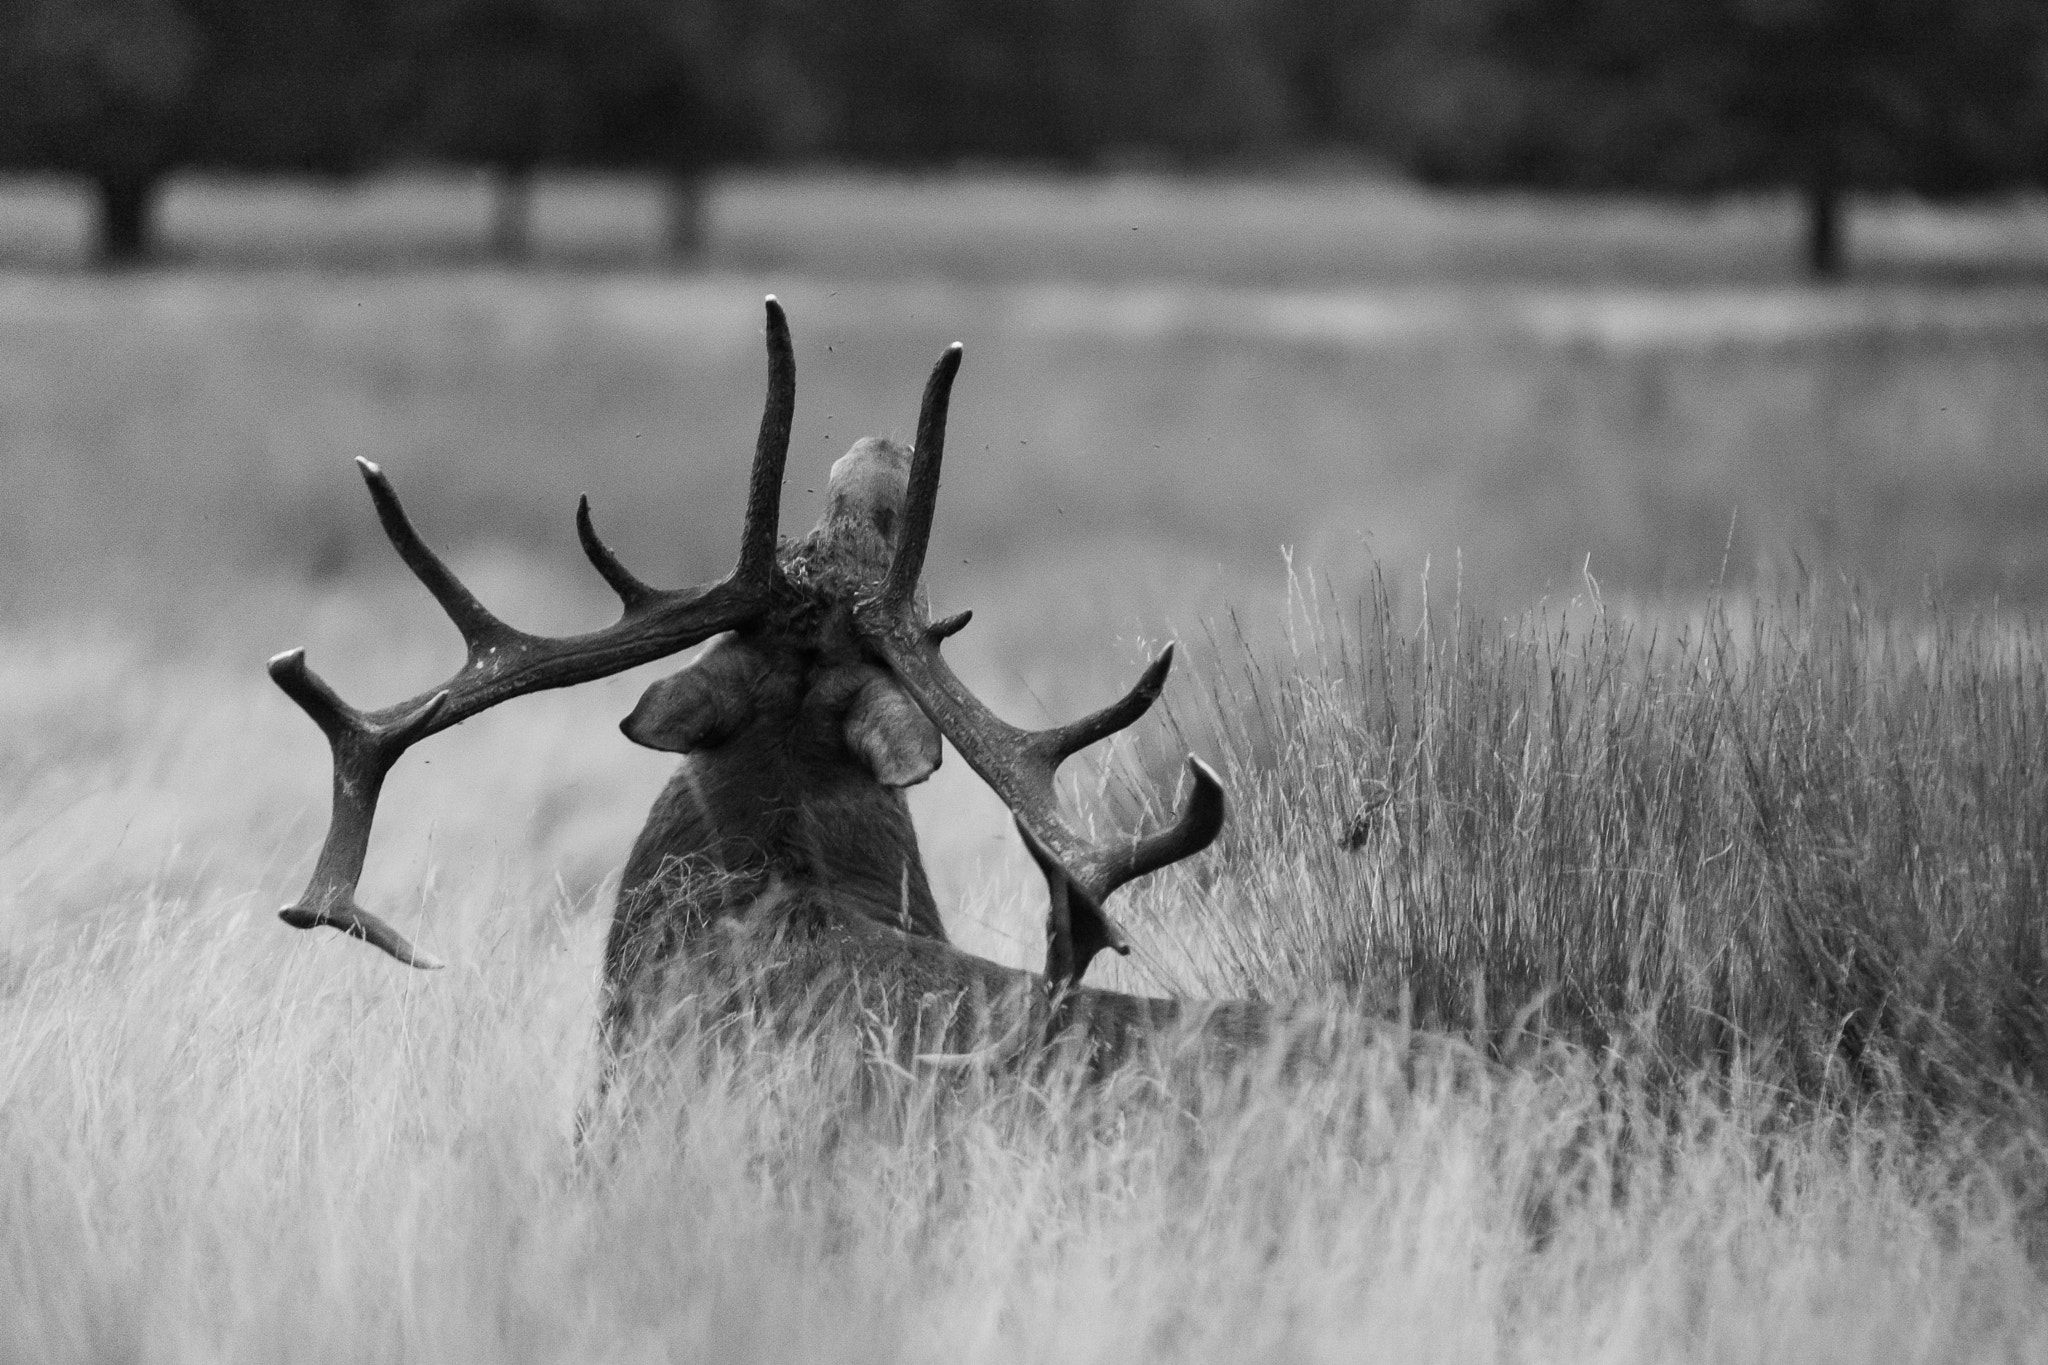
(1799, 837)
(228, 1141)
(216, 1160)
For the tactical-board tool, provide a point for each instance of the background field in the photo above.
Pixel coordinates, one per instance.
(233, 1140)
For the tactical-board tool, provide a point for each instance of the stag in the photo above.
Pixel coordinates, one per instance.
(783, 848)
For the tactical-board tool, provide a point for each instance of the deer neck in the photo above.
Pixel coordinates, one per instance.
(781, 802)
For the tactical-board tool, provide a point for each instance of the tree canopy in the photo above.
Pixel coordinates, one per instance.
(1824, 98)
(1821, 97)
(124, 91)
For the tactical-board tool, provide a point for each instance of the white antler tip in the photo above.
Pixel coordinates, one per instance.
(368, 466)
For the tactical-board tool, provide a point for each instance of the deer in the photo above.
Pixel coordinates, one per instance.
(782, 850)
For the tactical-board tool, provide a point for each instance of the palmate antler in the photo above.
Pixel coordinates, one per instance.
(1020, 764)
(505, 662)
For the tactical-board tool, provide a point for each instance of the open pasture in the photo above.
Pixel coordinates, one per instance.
(1318, 227)
(1785, 821)
(1171, 438)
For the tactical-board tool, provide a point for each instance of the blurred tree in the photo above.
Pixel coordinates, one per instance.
(125, 91)
(504, 84)
(1826, 98)
(1064, 82)
(518, 85)
(1339, 59)
(102, 89)
(921, 82)
(292, 85)
(1195, 80)
(684, 92)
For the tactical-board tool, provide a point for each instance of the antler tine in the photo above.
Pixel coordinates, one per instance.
(1196, 826)
(759, 533)
(504, 662)
(1075, 918)
(1060, 967)
(363, 753)
(632, 592)
(480, 629)
(757, 563)
(921, 499)
(1021, 765)
(1062, 741)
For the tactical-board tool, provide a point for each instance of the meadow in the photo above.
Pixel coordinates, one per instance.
(1626, 665)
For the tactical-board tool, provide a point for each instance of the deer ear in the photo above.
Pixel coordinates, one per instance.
(894, 738)
(700, 706)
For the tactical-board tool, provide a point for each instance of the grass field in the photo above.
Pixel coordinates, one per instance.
(1729, 839)
(1309, 229)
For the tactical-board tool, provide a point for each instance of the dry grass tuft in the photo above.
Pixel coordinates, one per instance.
(1800, 838)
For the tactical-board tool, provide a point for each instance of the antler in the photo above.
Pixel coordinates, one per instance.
(504, 662)
(1020, 764)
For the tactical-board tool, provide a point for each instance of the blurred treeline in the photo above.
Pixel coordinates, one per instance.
(1822, 98)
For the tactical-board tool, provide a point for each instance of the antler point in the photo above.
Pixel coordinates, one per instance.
(504, 662)
(947, 628)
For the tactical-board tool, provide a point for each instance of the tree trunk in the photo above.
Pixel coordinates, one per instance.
(122, 233)
(1826, 230)
(512, 213)
(686, 213)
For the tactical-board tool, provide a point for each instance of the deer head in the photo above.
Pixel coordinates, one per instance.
(831, 656)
